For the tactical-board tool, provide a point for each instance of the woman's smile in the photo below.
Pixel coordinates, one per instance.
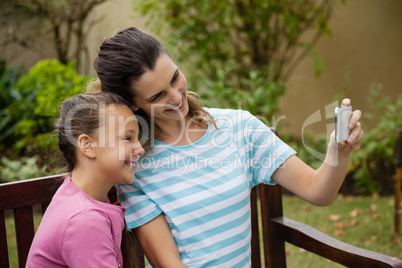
(177, 108)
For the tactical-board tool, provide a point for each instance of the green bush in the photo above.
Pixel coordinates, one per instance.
(37, 97)
(257, 95)
(25, 168)
(240, 51)
(371, 166)
(377, 151)
(8, 78)
(318, 142)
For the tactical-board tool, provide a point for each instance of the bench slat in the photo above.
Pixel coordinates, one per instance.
(24, 229)
(255, 234)
(4, 262)
(35, 191)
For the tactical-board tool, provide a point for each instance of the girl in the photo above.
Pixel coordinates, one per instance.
(204, 161)
(98, 136)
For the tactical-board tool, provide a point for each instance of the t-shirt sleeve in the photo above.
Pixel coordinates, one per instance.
(266, 151)
(88, 241)
(140, 209)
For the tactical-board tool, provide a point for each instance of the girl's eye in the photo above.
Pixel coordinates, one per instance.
(127, 138)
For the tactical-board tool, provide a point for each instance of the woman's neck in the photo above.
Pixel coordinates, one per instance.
(181, 132)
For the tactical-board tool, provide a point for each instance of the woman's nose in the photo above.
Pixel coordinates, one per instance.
(175, 96)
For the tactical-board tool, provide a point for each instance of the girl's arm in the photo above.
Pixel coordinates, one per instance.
(157, 243)
(321, 186)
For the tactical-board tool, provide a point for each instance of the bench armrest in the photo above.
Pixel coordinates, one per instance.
(311, 239)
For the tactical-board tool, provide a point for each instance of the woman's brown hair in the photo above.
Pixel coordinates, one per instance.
(124, 58)
(80, 114)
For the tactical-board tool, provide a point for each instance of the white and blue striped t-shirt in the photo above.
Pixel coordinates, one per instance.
(204, 188)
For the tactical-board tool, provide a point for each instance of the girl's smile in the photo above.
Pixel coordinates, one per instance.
(132, 162)
(131, 165)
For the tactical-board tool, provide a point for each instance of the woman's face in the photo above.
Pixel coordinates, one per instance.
(161, 93)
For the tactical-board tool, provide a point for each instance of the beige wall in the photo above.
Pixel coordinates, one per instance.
(118, 15)
(366, 44)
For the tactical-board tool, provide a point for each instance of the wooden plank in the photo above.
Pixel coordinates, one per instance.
(255, 234)
(24, 230)
(33, 191)
(271, 207)
(4, 262)
(397, 210)
(44, 207)
(307, 237)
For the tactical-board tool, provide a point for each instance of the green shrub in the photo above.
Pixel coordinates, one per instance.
(377, 150)
(257, 95)
(318, 142)
(371, 166)
(37, 97)
(240, 51)
(8, 78)
(25, 168)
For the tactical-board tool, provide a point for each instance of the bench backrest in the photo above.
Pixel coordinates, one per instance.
(20, 197)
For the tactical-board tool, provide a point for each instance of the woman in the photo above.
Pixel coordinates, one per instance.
(203, 161)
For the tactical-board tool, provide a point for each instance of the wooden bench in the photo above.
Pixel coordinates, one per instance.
(21, 196)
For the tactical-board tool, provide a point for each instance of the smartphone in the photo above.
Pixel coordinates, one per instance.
(342, 116)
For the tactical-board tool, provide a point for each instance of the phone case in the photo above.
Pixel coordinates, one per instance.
(342, 116)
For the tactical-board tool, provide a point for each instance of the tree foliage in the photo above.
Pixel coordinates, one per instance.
(373, 165)
(8, 78)
(65, 23)
(35, 101)
(241, 37)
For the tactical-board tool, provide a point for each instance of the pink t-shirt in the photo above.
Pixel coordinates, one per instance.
(78, 231)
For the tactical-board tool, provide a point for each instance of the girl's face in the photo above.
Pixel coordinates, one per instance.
(161, 93)
(118, 147)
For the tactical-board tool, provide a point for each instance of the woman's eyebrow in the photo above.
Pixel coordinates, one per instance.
(171, 81)
(174, 75)
(153, 96)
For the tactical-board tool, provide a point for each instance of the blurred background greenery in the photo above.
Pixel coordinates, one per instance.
(282, 60)
(235, 54)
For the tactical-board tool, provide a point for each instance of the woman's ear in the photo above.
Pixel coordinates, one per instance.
(86, 145)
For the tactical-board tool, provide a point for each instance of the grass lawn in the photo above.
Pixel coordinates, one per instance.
(366, 222)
